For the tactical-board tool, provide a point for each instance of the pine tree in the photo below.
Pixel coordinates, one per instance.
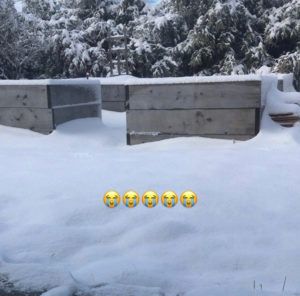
(9, 40)
(41, 9)
(129, 10)
(221, 38)
(155, 36)
(282, 33)
(290, 63)
(67, 38)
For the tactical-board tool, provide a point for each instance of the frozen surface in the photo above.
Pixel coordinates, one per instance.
(49, 81)
(127, 79)
(56, 233)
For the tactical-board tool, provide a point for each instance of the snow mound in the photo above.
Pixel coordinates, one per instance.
(283, 102)
(56, 234)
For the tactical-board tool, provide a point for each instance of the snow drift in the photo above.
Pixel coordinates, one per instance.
(57, 235)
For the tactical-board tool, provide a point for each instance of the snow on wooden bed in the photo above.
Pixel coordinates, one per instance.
(114, 88)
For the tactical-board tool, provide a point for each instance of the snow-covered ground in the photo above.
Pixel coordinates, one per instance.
(57, 235)
(56, 232)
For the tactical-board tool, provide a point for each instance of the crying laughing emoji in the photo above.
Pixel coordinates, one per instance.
(131, 199)
(112, 199)
(169, 199)
(150, 199)
(188, 199)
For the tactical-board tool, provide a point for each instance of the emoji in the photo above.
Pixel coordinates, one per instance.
(131, 199)
(150, 199)
(169, 199)
(112, 199)
(188, 199)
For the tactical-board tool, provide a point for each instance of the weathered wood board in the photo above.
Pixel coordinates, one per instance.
(64, 114)
(113, 92)
(113, 97)
(65, 95)
(242, 94)
(117, 106)
(18, 96)
(39, 120)
(192, 122)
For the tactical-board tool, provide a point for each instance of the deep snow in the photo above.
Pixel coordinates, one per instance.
(56, 233)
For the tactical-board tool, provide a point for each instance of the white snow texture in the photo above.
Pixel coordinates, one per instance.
(56, 234)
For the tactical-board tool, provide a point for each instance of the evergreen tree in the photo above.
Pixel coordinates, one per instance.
(41, 9)
(9, 40)
(282, 33)
(67, 38)
(221, 38)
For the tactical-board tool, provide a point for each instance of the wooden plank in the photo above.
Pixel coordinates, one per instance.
(187, 122)
(114, 106)
(39, 120)
(113, 93)
(64, 114)
(241, 94)
(64, 95)
(134, 139)
(31, 96)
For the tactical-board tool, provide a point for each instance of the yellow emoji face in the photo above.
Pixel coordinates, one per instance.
(150, 199)
(169, 199)
(131, 199)
(188, 199)
(111, 199)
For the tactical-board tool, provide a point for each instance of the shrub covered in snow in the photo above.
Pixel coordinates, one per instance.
(52, 38)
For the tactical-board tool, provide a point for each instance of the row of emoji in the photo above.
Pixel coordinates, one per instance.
(150, 199)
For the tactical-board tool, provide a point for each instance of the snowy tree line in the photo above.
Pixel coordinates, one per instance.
(67, 38)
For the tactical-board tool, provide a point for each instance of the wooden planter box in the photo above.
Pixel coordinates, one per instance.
(41, 107)
(225, 110)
